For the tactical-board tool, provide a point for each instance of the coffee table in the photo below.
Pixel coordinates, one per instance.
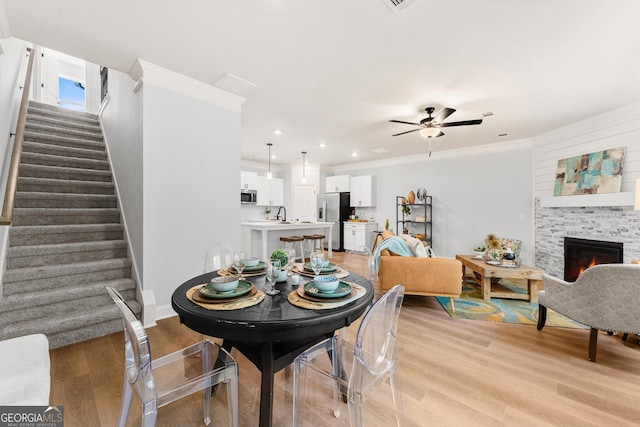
(485, 272)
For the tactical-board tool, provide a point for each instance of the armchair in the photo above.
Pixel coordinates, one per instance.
(605, 297)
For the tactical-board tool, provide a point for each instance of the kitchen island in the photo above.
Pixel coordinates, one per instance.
(260, 238)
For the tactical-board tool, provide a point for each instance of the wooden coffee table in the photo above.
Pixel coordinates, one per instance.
(486, 272)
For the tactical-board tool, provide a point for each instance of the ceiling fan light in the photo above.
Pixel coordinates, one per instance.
(429, 132)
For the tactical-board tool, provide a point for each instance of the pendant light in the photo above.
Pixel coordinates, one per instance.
(269, 174)
(304, 174)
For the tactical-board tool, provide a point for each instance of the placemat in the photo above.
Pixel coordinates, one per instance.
(340, 273)
(251, 299)
(318, 304)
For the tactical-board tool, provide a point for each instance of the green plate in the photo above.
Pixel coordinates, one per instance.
(209, 292)
(342, 290)
(261, 266)
(329, 268)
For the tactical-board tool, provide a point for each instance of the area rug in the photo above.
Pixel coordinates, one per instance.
(470, 305)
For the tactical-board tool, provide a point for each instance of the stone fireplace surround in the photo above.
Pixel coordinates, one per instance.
(611, 223)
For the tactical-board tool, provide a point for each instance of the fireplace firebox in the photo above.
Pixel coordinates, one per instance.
(580, 254)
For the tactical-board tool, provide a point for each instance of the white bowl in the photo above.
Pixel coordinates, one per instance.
(326, 283)
(224, 283)
(251, 261)
(479, 255)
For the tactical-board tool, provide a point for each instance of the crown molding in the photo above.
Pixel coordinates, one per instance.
(146, 72)
(515, 145)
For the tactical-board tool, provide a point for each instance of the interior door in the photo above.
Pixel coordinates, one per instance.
(305, 202)
(50, 76)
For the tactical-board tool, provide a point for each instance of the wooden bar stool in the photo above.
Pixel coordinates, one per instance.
(292, 240)
(316, 241)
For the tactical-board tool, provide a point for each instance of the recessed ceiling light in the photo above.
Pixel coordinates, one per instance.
(354, 154)
(277, 131)
(322, 145)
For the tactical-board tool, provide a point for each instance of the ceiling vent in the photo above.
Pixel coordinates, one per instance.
(398, 6)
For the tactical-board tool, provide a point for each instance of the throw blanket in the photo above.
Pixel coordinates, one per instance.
(393, 244)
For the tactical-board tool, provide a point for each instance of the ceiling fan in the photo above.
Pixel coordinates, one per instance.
(429, 127)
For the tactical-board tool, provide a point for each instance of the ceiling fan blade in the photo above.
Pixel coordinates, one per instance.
(406, 123)
(443, 114)
(409, 131)
(462, 123)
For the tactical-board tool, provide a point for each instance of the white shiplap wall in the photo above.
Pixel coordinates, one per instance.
(617, 128)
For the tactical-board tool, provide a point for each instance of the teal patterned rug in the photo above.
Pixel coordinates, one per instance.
(470, 305)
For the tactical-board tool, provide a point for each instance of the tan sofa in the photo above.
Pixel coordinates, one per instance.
(440, 277)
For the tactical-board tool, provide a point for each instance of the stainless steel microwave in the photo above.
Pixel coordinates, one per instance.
(248, 197)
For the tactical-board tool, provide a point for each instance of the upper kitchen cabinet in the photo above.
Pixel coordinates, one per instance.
(248, 180)
(270, 191)
(363, 191)
(337, 184)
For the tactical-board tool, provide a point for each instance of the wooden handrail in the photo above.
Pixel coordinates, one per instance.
(12, 180)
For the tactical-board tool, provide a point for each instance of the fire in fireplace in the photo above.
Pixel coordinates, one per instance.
(580, 254)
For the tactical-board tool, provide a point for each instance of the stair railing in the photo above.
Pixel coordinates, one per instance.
(12, 181)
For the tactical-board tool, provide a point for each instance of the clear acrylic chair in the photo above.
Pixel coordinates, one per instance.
(359, 261)
(166, 379)
(217, 256)
(355, 369)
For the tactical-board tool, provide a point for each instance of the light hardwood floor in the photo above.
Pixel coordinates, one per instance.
(452, 373)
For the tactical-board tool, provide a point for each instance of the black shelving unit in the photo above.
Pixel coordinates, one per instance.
(412, 226)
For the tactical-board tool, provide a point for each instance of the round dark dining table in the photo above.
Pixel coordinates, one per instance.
(272, 333)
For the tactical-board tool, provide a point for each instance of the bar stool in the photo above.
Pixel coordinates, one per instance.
(312, 240)
(292, 240)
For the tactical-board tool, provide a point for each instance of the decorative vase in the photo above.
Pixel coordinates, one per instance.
(283, 276)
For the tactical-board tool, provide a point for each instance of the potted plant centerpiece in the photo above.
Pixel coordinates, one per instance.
(281, 256)
(266, 212)
(479, 251)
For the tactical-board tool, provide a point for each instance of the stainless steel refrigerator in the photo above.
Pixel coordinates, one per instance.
(334, 207)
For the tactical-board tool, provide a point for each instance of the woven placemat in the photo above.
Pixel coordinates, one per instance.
(251, 299)
(340, 273)
(308, 302)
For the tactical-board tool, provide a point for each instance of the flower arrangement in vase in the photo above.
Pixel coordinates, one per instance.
(504, 252)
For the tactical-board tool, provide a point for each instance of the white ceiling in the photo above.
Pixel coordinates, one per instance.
(337, 71)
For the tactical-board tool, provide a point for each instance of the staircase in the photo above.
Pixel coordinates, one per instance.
(66, 242)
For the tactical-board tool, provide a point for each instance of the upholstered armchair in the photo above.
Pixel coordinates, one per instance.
(605, 297)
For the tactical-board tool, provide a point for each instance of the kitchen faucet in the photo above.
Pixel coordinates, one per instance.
(285, 213)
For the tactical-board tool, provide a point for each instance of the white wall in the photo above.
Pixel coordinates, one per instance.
(475, 192)
(122, 125)
(191, 182)
(617, 128)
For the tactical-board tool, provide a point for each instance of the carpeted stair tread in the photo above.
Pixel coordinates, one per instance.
(63, 122)
(59, 172)
(64, 200)
(46, 138)
(53, 216)
(62, 131)
(41, 278)
(73, 326)
(75, 115)
(38, 255)
(12, 307)
(61, 150)
(68, 186)
(66, 233)
(63, 161)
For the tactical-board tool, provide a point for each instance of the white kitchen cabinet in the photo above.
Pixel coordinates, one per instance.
(270, 191)
(362, 191)
(336, 184)
(357, 234)
(248, 180)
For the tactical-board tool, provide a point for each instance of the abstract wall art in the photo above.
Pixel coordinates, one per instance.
(595, 173)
